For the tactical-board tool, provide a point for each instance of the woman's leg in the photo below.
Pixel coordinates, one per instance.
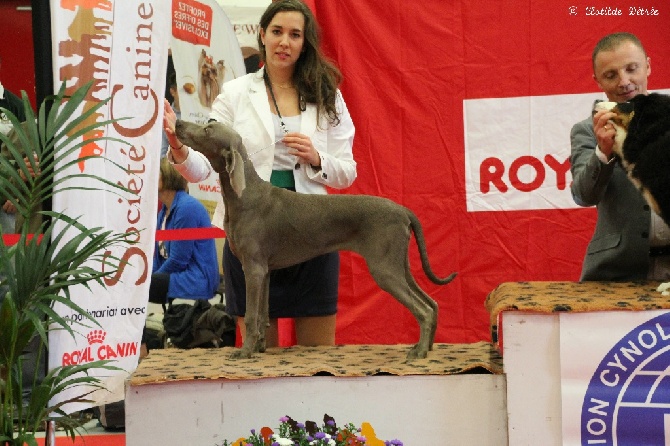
(315, 330)
(271, 333)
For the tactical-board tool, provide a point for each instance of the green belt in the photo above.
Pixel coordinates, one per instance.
(282, 178)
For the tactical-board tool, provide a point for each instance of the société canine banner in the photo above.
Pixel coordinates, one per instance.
(122, 47)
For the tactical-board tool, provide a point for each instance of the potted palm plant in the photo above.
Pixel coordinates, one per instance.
(36, 272)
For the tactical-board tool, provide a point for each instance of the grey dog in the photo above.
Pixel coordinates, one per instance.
(270, 228)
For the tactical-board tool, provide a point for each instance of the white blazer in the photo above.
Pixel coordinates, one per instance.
(244, 106)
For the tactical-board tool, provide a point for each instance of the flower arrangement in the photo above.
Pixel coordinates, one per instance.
(292, 433)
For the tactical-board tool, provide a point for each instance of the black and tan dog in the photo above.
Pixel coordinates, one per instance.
(270, 228)
(642, 144)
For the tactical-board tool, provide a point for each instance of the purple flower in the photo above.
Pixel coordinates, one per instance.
(253, 431)
(283, 419)
(320, 435)
(301, 426)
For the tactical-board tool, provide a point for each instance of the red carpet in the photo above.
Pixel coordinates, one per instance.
(90, 440)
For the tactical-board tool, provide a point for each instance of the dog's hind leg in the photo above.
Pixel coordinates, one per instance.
(390, 269)
(429, 302)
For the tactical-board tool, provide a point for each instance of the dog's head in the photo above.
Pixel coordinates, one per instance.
(643, 110)
(220, 144)
(624, 115)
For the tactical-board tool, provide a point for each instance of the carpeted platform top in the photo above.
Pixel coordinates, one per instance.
(551, 297)
(347, 360)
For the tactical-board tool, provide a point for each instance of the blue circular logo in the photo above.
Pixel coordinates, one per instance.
(627, 402)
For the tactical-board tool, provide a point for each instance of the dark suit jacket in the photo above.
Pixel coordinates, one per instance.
(619, 248)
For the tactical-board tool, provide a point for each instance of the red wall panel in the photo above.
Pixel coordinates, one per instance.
(17, 71)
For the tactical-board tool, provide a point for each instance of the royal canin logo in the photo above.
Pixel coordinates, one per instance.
(97, 350)
(96, 337)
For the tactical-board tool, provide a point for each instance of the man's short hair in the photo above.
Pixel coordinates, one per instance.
(612, 41)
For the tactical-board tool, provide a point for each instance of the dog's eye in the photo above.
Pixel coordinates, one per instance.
(626, 107)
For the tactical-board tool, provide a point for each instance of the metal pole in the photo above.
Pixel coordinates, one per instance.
(44, 79)
(41, 21)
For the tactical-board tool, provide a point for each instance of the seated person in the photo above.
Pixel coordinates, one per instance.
(184, 269)
(13, 104)
(12, 220)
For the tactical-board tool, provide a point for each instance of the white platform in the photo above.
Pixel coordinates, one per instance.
(533, 370)
(466, 409)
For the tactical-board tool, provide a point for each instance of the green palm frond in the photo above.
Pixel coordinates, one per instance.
(40, 270)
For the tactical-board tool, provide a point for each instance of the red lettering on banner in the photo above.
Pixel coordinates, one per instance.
(130, 252)
(209, 188)
(191, 22)
(104, 352)
(523, 161)
(492, 173)
(561, 170)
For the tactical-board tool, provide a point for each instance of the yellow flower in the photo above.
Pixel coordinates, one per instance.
(369, 433)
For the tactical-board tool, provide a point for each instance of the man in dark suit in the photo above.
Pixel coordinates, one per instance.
(629, 242)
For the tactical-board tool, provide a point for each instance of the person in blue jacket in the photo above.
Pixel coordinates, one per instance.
(184, 269)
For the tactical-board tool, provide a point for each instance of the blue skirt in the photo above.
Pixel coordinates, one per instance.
(303, 290)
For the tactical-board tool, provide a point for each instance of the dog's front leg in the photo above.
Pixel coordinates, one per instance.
(264, 313)
(256, 314)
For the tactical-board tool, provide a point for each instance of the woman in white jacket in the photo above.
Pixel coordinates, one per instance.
(299, 135)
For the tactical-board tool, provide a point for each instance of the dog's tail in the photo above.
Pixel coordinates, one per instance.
(421, 243)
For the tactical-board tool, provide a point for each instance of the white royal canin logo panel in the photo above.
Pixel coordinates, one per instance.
(517, 150)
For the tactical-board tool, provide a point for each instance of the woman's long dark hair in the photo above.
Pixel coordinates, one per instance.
(315, 77)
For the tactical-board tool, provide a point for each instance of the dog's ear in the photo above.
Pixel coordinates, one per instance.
(235, 168)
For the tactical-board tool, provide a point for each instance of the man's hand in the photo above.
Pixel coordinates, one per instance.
(31, 171)
(604, 131)
(9, 208)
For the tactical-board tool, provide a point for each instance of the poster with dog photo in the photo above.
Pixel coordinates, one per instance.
(205, 53)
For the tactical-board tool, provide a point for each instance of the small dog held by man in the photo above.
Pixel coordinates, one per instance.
(270, 228)
(642, 145)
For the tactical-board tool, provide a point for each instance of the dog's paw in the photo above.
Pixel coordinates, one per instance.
(240, 353)
(416, 352)
(664, 288)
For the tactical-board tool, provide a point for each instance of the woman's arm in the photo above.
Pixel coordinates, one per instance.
(190, 164)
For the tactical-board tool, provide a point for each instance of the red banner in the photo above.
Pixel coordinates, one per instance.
(192, 22)
(408, 75)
